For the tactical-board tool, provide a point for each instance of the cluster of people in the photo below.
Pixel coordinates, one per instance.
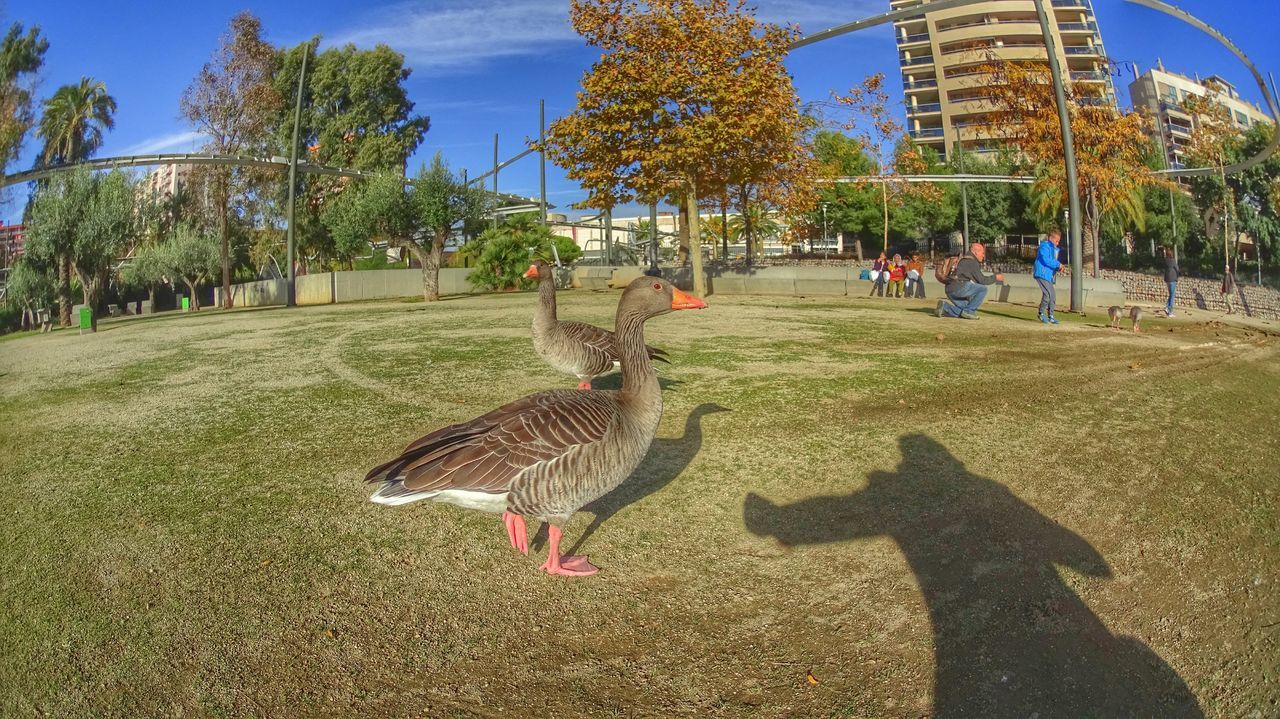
(898, 276)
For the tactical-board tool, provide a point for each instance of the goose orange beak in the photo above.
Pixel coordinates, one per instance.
(684, 301)
(531, 273)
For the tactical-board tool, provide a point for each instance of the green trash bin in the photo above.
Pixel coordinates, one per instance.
(86, 320)
(186, 303)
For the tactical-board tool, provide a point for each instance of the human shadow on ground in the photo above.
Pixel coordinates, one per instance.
(666, 459)
(1011, 638)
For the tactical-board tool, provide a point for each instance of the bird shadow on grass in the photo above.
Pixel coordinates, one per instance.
(666, 459)
(613, 380)
(1011, 637)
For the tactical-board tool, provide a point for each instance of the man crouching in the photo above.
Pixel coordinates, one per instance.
(967, 286)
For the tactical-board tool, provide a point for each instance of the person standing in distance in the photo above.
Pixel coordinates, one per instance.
(1046, 268)
(967, 287)
(1170, 278)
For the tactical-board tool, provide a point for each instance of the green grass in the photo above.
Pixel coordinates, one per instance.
(1082, 517)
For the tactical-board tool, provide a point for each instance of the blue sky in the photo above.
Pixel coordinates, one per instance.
(480, 66)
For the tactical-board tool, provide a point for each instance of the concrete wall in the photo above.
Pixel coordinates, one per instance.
(254, 294)
(837, 281)
(328, 287)
(819, 281)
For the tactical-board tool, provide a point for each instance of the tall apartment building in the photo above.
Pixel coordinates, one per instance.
(165, 180)
(1159, 94)
(940, 53)
(12, 243)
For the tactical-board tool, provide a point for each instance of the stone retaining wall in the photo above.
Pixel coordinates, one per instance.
(1196, 293)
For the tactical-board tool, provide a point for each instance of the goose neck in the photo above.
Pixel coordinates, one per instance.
(638, 376)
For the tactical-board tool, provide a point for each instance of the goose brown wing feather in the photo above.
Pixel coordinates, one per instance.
(549, 426)
(603, 340)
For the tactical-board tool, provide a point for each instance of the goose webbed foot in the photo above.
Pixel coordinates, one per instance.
(516, 532)
(584, 384)
(570, 565)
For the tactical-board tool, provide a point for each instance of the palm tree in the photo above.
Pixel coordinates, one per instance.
(756, 224)
(716, 232)
(74, 120)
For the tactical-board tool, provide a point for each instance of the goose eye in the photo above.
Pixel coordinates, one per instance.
(657, 286)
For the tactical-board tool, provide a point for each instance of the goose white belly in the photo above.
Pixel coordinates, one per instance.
(483, 501)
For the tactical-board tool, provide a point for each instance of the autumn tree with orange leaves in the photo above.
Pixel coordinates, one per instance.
(1111, 147)
(887, 144)
(689, 97)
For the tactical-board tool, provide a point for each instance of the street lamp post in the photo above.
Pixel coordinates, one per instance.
(826, 243)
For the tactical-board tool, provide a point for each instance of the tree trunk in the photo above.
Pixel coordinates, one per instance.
(724, 229)
(64, 292)
(89, 289)
(686, 240)
(151, 298)
(699, 282)
(225, 230)
(430, 260)
(857, 246)
(195, 301)
(884, 201)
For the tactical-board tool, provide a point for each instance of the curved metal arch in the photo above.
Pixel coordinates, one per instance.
(1204, 27)
(282, 163)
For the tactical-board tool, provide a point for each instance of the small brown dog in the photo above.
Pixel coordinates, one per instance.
(1135, 315)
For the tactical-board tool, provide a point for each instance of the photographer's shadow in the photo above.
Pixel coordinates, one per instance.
(1011, 637)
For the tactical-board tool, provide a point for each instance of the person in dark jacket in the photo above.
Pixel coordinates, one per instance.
(1170, 278)
(1046, 268)
(1229, 289)
(880, 268)
(968, 286)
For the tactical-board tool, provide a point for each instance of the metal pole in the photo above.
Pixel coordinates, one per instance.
(1069, 157)
(653, 240)
(542, 158)
(964, 199)
(608, 237)
(826, 244)
(291, 297)
(495, 176)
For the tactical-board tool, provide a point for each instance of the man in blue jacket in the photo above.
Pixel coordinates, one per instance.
(1047, 267)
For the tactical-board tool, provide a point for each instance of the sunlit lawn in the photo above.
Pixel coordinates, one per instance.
(852, 509)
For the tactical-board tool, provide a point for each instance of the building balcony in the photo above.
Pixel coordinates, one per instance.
(913, 62)
(1070, 4)
(1077, 50)
(1074, 27)
(926, 133)
(1089, 76)
(913, 39)
(920, 85)
(927, 108)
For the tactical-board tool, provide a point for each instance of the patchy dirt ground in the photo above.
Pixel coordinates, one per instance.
(853, 509)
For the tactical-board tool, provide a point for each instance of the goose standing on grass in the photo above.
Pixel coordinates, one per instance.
(548, 454)
(575, 348)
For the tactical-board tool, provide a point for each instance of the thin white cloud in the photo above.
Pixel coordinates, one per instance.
(174, 141)
(460, 36)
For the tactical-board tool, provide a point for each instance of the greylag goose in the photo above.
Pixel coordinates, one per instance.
(575, 348)
(548, 454)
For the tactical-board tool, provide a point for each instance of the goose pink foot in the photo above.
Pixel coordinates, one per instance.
(516, 532)
(585, 384)
(571, 565)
